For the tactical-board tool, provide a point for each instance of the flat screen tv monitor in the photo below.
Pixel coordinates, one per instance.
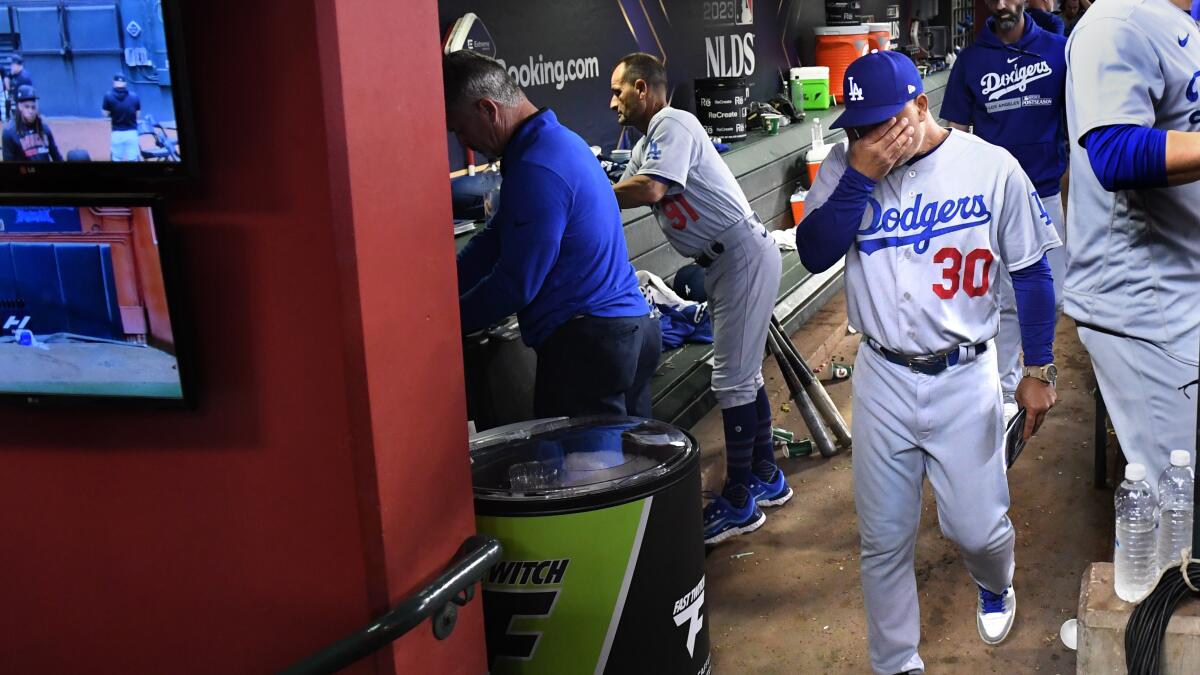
(92, 89)
(85, 304)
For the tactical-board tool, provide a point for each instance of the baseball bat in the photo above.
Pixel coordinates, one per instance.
(815, 389)
(812, 418)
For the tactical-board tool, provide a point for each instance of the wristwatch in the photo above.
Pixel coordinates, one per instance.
(1047, 373)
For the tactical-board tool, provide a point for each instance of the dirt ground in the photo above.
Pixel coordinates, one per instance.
(93, 135)
(794, 604)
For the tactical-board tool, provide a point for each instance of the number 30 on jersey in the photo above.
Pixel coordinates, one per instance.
(969, 272)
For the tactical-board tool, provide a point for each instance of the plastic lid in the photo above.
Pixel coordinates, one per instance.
(860, 29)
(565, 458)
(879, 27)
(1135, 472)
(1181, 458)
(811, 73)
(818, 154)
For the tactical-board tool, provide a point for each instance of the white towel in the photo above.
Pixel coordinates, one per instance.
(657, 291)
(785, 239)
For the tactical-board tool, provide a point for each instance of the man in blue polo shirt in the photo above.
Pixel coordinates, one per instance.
(1010, 86)
(554, 252)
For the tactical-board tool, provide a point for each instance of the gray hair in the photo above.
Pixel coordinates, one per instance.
(468, 77)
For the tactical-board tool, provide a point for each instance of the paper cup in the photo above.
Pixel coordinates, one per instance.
(771, 123)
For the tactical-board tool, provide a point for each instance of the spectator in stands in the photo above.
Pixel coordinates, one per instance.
(28, 138)
(123, 107)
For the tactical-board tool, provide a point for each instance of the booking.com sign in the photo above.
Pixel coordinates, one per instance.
(558, 72)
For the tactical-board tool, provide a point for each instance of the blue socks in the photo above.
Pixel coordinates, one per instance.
(764, 445)
(749, 448)
(741, 425)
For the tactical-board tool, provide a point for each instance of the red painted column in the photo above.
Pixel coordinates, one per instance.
(323, 473)
(385, 122)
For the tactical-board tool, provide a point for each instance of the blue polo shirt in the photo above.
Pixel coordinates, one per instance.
(555, 249)
(1015, 96)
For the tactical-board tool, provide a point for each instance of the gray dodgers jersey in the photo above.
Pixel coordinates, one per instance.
(921, 273)
(1134, 254)
(705, 199)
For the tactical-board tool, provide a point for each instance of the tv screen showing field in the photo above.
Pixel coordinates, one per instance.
(83, 304)
(86, 81)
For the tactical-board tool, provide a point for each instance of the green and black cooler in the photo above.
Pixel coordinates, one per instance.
(603, 568)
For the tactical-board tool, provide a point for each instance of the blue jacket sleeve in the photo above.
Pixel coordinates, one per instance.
(826, 233)
(478, 258)
(529, 228)
(1127, 156)
(1033, 287)
(957, 103)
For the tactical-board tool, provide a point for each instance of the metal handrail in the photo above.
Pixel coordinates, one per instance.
(439, 600)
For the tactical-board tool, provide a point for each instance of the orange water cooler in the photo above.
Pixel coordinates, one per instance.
(837, 47)
(879, 35)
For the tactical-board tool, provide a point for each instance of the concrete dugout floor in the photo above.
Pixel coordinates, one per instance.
(795, 605)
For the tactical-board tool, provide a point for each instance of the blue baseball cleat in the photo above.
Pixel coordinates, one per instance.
(723, 520)
(775, 493)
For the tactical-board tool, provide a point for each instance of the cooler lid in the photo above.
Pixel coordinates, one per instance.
(880, 28)
(547, 460)
(811, 73)
(860, 29)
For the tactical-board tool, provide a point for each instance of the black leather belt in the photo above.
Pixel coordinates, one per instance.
(929, 364)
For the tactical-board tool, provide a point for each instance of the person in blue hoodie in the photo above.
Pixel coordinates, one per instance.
(1042, 13)
(554, 252)
(1010, 88)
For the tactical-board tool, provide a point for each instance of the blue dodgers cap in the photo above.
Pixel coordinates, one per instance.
(877, 87)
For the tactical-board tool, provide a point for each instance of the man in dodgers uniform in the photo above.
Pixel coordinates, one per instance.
(1133, 282)
(1010, 85)
(925, 216)
(703, 213)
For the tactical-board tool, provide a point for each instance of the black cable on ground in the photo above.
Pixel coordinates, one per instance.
(1148, 624)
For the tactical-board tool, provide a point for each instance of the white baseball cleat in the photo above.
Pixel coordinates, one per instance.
(995, 613)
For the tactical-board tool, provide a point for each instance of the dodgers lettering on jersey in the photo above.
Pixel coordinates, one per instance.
(1013, 95)
(704, 199)
(920, 275)
(1135, 254)
(930, 220)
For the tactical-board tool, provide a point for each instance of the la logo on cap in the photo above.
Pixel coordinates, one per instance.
(855, 93)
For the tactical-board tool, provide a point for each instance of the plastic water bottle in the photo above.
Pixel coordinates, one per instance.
(1135, 554)
(1175, 509)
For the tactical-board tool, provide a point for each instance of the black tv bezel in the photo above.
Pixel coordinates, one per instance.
(180, 329)
(91, 176)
